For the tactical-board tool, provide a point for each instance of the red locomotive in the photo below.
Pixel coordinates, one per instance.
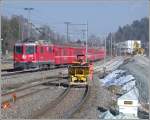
(42, 54)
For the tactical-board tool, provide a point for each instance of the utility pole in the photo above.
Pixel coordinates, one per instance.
(117, 49)
(149, 30)
(120, 50)
(22, 31)
(114, 49)
(111, 45)
(29, 26)
(20, 28)
(105, 51)
(67, 24)
(86, 40)
(0, 34)
(83, 34)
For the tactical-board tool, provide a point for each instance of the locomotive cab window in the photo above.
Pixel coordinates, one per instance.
(18, 49)
(30, 49)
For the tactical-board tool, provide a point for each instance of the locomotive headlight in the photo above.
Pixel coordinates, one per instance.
(23, 56)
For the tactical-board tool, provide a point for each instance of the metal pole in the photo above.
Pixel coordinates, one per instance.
(83, 35)
(149, 30)
(29, 24)
(114, 47)
(29, 31)
(111, 46)
(19, 29)
(105, 52)
(49, 36)
(22, 31)
(117, 50)
(67, 32)
(120, 50)
(67, 24)
(86, 42)
(0, 34)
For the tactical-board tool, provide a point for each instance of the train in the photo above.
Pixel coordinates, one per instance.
(42, 54)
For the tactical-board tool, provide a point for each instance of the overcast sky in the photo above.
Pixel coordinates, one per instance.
(102, 16)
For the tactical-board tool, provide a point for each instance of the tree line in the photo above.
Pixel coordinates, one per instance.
(15, 29)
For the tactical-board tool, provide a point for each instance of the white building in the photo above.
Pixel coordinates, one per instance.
(128, 103)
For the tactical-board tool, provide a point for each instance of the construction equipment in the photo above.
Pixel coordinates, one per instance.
(79, 72)
(137, 49)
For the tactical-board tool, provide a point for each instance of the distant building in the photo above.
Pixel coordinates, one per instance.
(127, 46)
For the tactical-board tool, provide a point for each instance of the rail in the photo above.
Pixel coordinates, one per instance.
(65, 105)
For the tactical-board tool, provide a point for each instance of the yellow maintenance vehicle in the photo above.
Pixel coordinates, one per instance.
(79, 72)
(137, 50)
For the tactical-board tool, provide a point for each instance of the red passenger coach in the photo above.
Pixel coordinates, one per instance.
(42, 54)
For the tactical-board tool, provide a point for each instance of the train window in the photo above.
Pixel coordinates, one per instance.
(18, 49)
(30, 49)
(42, 50)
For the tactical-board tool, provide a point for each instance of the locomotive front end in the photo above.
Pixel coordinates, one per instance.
(25, 56)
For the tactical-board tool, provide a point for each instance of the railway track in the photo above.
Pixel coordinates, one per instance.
(35, 83)
(14, 72)
(96, 69)
(28, 89)
(65, 105)
(15, 81)
(10, 72)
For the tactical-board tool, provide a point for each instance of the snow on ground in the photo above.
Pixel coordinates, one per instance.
(112, 75)
(127, 83)
(128, 86)
(117, 77)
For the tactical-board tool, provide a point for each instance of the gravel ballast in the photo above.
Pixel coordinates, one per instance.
(29, 106)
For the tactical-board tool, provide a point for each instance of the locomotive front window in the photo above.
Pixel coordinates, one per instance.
(18, 49)
(30, 49)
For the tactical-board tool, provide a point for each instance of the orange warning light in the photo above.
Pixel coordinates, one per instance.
(5, 105)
